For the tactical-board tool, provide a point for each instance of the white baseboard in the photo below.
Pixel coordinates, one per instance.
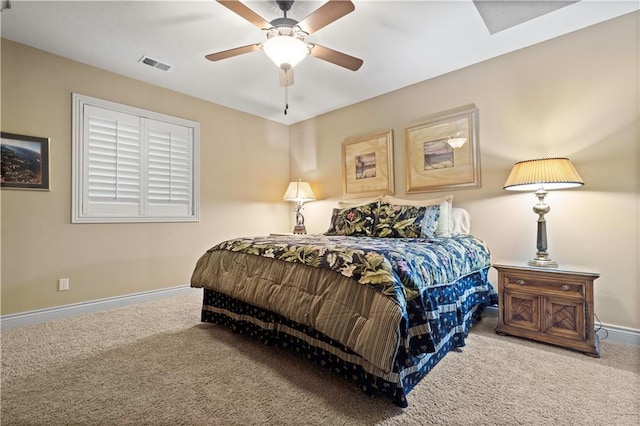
(42, 315)
(613, 333)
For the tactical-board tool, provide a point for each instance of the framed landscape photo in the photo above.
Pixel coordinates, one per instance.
(24, 162)
(367, 165)
(442, 153)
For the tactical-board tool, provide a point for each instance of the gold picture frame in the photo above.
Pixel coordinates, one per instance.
(367, 165)
(434, 162)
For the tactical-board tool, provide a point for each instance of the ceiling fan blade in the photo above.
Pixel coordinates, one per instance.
(246, 13)
(326, 14)
(233, 52)
(286, 77)
(342, 59)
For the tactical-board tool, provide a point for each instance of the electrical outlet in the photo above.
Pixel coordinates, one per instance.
(63, 284)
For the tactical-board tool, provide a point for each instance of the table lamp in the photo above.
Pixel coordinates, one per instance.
(541, 175)
(299, 192)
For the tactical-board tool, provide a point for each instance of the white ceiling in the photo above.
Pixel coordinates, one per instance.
(401, 43)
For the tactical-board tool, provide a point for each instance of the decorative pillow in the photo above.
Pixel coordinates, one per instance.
(355, 221)
(430, 222)
(444, 221)
(395, 221)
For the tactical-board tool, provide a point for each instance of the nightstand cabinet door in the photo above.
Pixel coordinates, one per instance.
(564, 318)
(522, 310)
(549, 305)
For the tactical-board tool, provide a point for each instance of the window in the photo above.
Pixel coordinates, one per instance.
(133, 165)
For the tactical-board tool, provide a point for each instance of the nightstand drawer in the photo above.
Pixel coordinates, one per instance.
(539, 285)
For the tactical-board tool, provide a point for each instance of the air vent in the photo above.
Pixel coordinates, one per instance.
(155, 64)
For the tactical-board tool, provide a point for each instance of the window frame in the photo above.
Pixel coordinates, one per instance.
(80, 163)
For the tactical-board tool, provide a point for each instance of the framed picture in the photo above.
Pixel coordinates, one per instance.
(367, 165)
(24, 162)
(442, 153)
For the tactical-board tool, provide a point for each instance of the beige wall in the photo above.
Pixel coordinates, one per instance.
(574, 96)
(244, 170)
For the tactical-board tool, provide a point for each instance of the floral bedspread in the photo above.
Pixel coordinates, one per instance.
(401, 268)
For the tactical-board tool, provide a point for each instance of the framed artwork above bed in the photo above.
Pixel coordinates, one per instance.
(442, 153)
(367, 165)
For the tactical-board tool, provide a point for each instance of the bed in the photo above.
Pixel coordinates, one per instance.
(379, 298)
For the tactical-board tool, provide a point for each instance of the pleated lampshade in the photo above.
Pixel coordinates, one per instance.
(543, 173)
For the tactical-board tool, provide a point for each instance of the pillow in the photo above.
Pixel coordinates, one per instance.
(460, 221)
(397, 221)
(422, 203)
(355, 221)
(347, 204)
(444, 221)
(430, 222)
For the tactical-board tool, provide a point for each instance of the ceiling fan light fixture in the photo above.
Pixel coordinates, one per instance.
(282, 49)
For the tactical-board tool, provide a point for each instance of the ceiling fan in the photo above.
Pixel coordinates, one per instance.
(285, 44)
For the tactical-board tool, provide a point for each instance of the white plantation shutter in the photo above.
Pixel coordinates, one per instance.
(132, 165)
(112, 158)
(170, 160)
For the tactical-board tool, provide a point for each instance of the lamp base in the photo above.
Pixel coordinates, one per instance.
(542, 262)
(299, 229)
(542, 257)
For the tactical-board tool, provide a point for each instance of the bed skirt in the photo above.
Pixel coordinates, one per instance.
(409, 366)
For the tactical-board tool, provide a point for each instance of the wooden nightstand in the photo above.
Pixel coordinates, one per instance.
(551, 305)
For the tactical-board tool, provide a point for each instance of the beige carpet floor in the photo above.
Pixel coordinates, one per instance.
(156, 364)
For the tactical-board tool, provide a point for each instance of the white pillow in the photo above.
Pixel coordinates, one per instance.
(460, 221)
(420, 203)
(349, 204)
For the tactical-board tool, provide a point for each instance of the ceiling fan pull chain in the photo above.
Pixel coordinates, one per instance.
(286, 100)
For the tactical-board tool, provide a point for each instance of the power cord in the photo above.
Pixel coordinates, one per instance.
(600, 327)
